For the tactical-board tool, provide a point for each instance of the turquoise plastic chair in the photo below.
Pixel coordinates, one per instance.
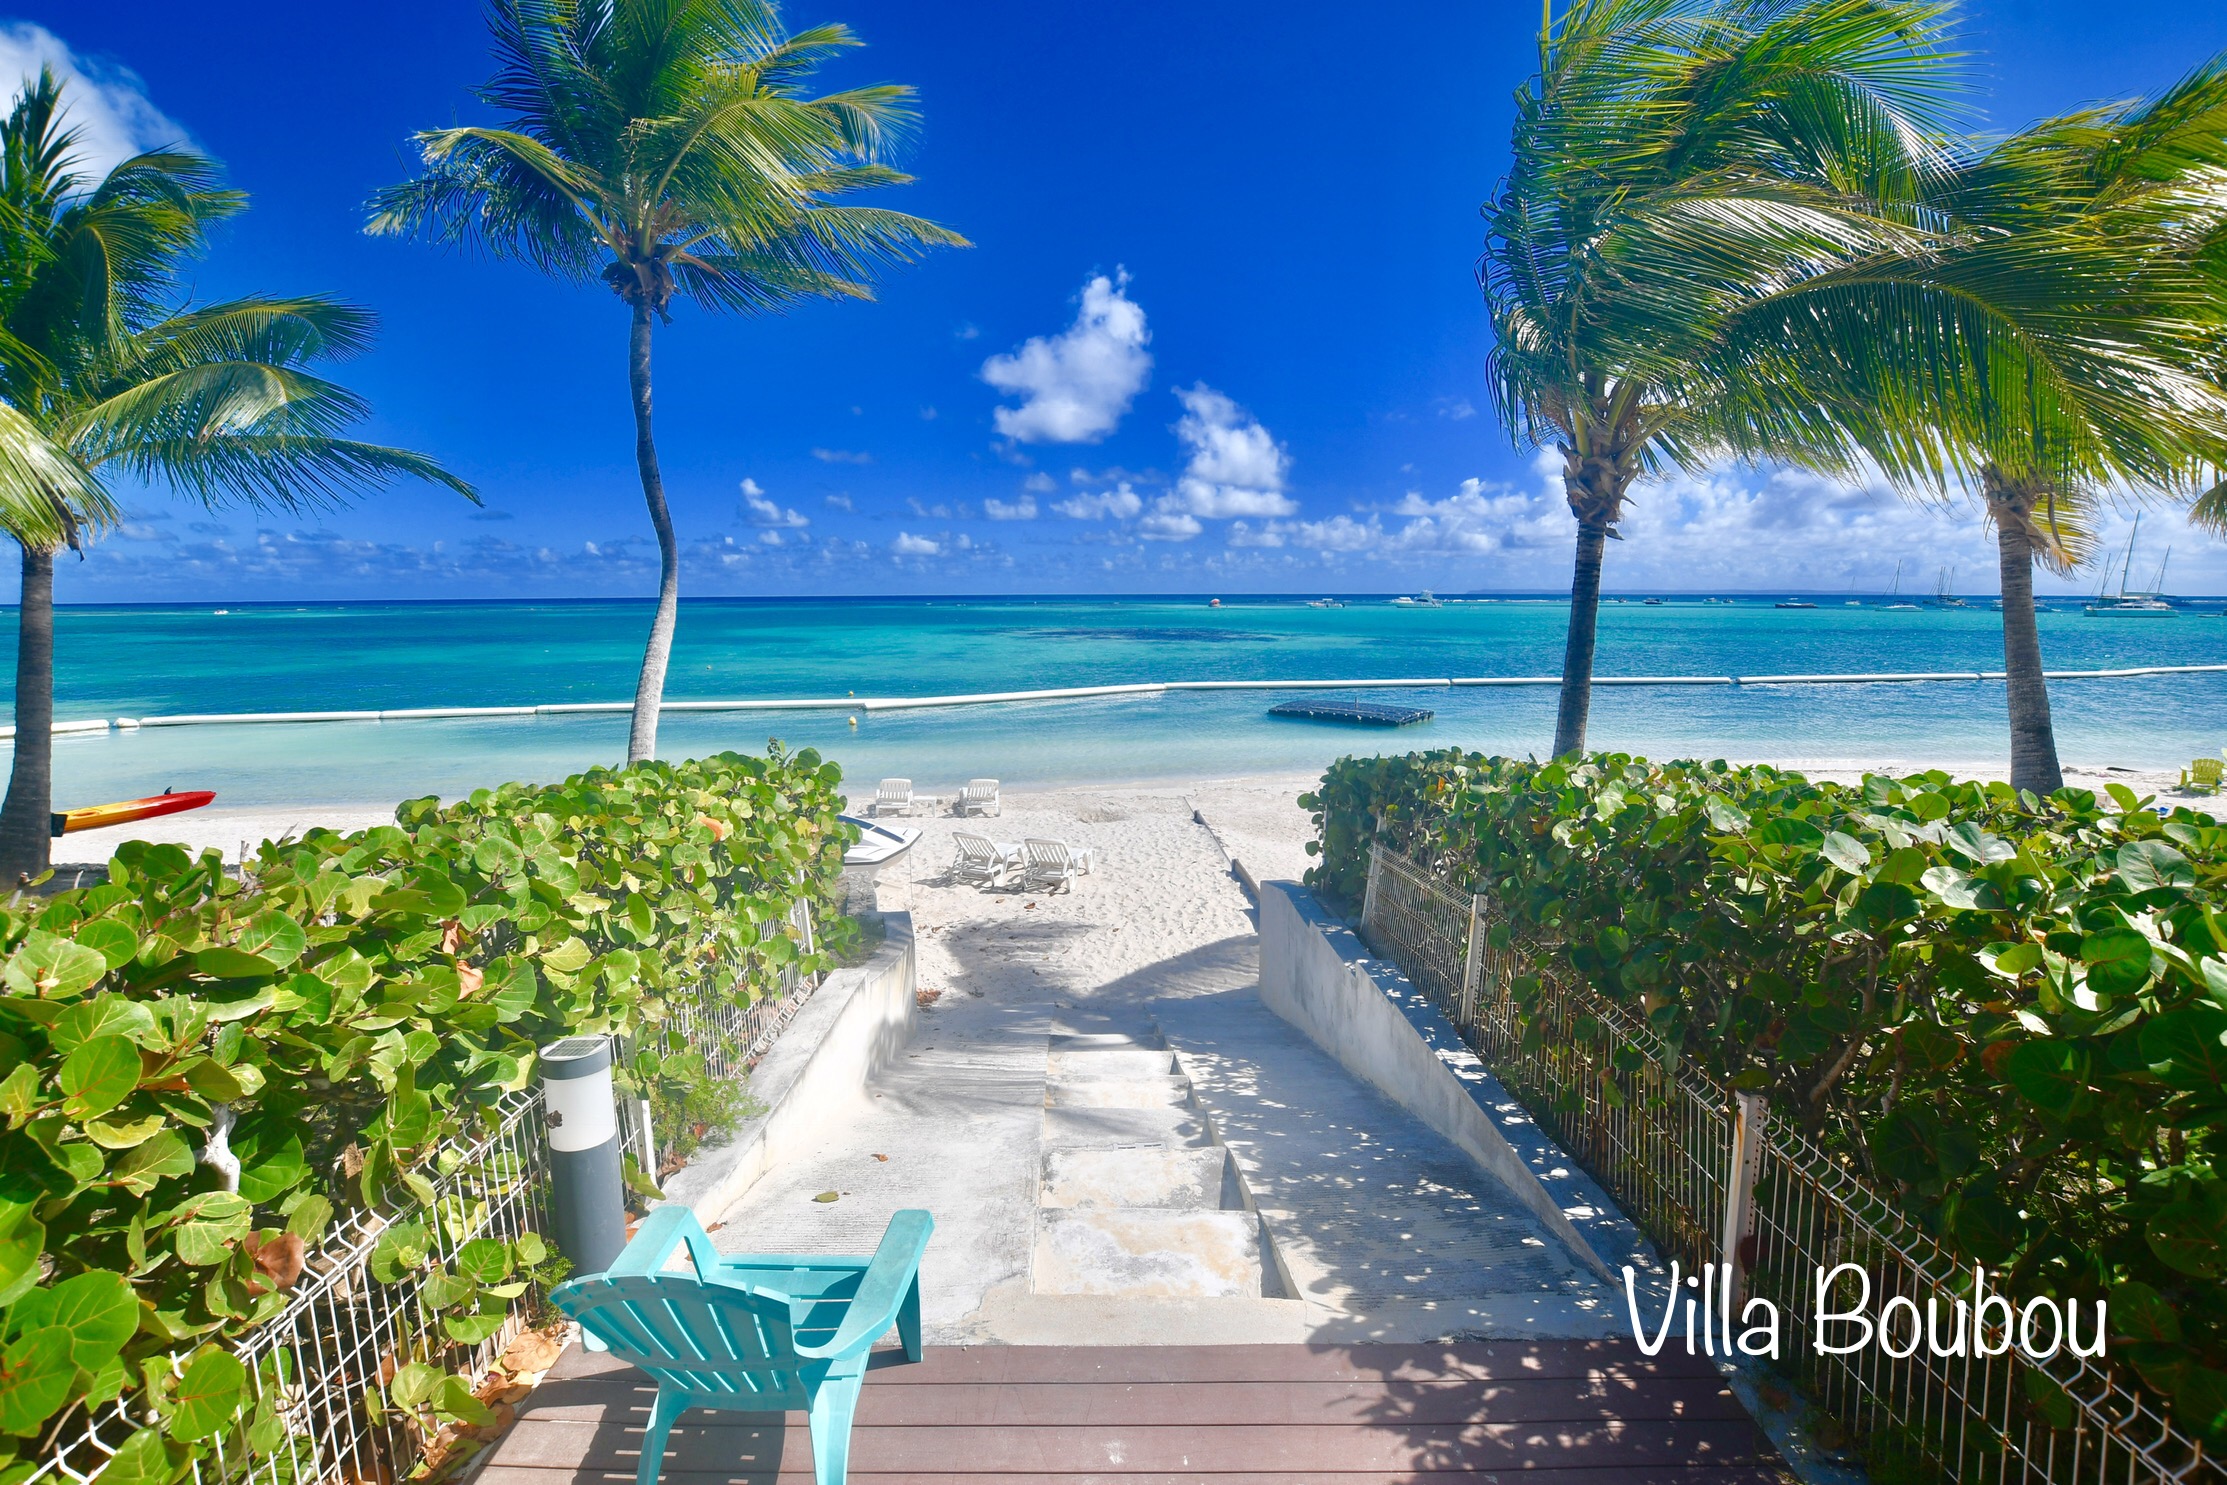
(752, 1332)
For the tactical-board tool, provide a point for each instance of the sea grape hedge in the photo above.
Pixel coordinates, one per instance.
(2010, 1012)
(347, 1004)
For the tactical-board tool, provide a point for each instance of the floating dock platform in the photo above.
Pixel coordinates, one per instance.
(1358, 713)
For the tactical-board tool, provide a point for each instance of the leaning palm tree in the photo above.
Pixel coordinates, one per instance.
(2056, 345)
(106, 371)
(667, 149)
(1684, 171)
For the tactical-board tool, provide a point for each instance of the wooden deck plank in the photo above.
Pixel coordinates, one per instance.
(1555, 1413)
(1055, 1449)
(1204, 1404)
(1476, 1361)
(793, 1472)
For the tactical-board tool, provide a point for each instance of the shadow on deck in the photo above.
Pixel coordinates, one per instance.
(1554, 1412)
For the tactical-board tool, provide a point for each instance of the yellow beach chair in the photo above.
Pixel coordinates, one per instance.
(2203, 775)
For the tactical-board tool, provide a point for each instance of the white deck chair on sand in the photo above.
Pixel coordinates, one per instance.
(979, 797)
(896, 795)
(982, 861)
(1052, 865)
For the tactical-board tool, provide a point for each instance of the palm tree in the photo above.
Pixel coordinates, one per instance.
(667, 148)
(106, 370)
(2058, 340)
(1684, 170)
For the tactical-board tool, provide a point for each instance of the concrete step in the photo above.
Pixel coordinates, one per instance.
(1111, 1062)
(1081, 1041)
(1069, 1128)
(1118, 1093)
(1185, 1180)
(1147, 1253)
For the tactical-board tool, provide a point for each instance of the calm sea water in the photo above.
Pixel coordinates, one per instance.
(137, 661)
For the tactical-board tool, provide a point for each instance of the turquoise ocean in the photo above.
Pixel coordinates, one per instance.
(145, 661)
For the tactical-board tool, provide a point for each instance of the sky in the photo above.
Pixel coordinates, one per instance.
(1218, 331)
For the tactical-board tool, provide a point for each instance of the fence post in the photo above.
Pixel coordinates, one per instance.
(1473, 965)
(1368, 893)
(1739, 1194)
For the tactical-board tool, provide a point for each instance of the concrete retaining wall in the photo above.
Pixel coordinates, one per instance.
(851, 1028)
(1317, 974)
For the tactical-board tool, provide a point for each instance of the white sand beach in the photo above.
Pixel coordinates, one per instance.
(1256, 818)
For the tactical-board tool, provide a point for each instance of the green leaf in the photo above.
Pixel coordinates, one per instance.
(414, 1385)
(36, 1377)
(116, 944)
(2185, 1237)
(2118, 961)
(143, 1460)
(104, 1015)
(20, 1248)
(2185, 1049)
(272, 937)
(209, 1396)
(164, 1155)
(1846, 852)
(124, 1134)
(52, 967)
(97, 1309)
(2140, 1313)
(224, 963)
(484, 1260)
(470, 1330)
(98, 1076)
(2149, 865)
(566, 957)
(2049, 1074)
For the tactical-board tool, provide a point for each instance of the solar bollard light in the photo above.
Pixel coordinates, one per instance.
(587, 1187)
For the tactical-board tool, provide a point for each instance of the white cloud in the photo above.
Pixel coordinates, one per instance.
(770, 538)
(760, 510)
(1236, 467)
(1023, 509)
(105, 104)
(1121, 503)
(1075, 386)
(1040, 483)
(909, 545)
(843, 456)
(1168, 525)
(836, 502)
(1454, 409)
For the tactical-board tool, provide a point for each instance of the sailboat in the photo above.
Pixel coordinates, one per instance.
(2135, 605)
(1943, 596)
(1894, 594)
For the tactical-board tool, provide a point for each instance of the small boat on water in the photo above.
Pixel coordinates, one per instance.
(124, 812)
(1652, 602)
(1794, 603)
(2134, 605)
(1326, 603)
(1944, 595)
(1421, 600)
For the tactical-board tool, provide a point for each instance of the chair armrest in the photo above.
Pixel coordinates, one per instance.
(891, 1275)
(658, 1235)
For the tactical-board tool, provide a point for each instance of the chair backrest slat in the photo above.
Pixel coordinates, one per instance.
(704, 1337)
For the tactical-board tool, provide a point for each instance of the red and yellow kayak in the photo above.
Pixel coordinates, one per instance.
(94, 816)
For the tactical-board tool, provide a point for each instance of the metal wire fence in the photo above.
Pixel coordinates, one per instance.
(320, 1366)
(1711, 1183)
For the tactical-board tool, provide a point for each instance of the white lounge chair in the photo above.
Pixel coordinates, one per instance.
(895, 795)
(1052, 865)
(979, 797)
(981, 860)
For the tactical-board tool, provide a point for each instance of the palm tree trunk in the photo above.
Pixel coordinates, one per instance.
(649, 689)
(27, 819)
(1577, 655)
(2033, 741)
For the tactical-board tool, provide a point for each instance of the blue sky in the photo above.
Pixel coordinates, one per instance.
(1218, 331)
